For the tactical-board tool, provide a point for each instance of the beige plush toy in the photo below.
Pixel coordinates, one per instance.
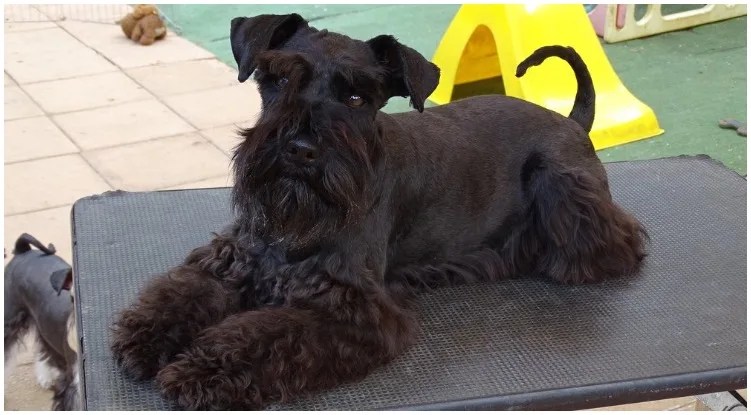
(144, 25)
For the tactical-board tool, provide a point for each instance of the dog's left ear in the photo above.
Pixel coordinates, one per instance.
(252, 35)
(62, 279)
(410, 73)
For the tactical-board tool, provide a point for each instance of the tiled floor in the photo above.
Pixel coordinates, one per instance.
(87, 110)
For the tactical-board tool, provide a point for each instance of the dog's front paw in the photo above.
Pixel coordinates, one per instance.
(165, 318)
(139, 344)
(197, 380)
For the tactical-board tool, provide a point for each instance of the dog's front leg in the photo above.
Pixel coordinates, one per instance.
(323, 336)
(174, 307)
(169, 312)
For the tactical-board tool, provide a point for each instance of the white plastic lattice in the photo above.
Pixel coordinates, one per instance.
(94, 13)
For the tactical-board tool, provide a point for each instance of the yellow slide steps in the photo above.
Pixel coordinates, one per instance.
(486, 40)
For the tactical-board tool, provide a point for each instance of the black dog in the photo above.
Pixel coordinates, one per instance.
(38, 298)
(345, 212)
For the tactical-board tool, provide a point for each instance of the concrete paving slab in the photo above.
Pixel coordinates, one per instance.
(121, 124)
(217, 107)
(49, 54)
(50, 182)
(18, 104)
(174, 78)
(86, 92)
(34, 138)
(159, 163)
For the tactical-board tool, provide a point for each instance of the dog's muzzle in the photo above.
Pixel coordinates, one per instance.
(302, 151)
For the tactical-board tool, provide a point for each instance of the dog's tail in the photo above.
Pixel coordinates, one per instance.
(26, 241)
(584, 103)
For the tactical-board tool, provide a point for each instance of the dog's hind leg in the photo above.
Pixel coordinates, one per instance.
(489, 263)
(49, 364)
(506, 254)
(583, 235)
(66, 396)
(17, 324)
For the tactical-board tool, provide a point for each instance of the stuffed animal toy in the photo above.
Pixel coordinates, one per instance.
(143, 25)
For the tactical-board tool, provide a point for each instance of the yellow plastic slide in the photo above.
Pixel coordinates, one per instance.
(487, 40)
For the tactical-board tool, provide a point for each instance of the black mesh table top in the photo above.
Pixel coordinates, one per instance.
(677, 329)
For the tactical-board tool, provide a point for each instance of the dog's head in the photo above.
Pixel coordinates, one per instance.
(306, 168)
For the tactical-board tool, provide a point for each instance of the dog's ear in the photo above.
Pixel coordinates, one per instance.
(410, 74)
(62, 279)
(251, 35)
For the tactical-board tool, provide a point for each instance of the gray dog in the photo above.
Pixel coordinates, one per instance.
(38, 297)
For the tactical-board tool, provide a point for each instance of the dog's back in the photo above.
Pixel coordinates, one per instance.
(33, 305)
(498, 131)
(27, 281)
(501, 172)
(473, 148)
(27, 285)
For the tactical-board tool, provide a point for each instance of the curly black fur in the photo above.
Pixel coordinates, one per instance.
(313, 284)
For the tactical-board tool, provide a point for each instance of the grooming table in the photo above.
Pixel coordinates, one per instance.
(678, 329)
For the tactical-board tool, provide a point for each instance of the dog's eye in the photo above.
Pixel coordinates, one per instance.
(355, 101)
(281, 82)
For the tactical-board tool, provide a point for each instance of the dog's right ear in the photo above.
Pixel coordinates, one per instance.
(62, 279)
(251, 35)
(410, 74)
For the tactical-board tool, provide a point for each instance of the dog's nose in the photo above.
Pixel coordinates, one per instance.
(302, 151)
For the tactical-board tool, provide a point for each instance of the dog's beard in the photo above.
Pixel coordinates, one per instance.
(299, 207)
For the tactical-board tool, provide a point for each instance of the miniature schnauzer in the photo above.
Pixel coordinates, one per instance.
(38, 297)
(344, 213)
